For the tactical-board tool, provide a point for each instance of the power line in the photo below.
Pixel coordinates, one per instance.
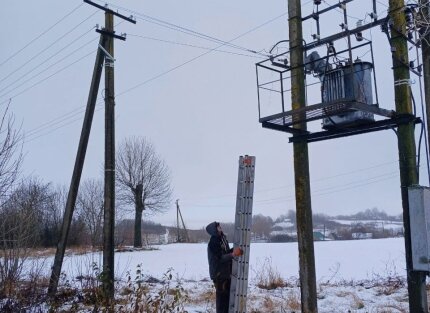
(37, 83)
(332, 189)
(156, 76)
(316, 194)
(336, 188)
(46, 78)
(292, 185)
(195, 58)
(49, 46)
(185, 30)
(33, 137)
(43, 33)
(52, 65)
(47, 59)
(192, 46)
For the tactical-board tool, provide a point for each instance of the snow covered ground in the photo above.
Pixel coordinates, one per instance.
(352, 276)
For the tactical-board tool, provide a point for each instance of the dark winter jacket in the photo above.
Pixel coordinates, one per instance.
(219, 254)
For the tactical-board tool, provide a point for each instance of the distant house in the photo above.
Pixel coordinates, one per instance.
(319, 236)
(284, 231)
(362, 235)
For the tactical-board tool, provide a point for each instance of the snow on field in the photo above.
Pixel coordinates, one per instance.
(345, 260)
(348, 274)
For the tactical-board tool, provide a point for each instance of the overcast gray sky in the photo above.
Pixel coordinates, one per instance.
(198, 107)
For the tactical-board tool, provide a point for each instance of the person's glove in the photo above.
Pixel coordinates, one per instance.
(237, 251)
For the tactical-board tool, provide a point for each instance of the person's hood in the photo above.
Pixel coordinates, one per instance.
(211, 229)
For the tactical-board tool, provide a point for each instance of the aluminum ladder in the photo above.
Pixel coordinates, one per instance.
(242, 234)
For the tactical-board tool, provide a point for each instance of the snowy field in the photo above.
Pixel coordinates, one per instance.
(335, 260)
(352, 276)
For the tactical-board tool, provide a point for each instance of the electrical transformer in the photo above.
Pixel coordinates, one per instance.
(348, 83)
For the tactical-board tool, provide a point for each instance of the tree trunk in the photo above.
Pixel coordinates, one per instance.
(138, 229)
(138, 216)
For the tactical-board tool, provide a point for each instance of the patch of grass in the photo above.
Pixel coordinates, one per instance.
(293, 301)
(268, 276)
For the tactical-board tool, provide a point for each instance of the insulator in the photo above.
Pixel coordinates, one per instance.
(317, 2)
(409, 16)
(373, 15)
(359, 35)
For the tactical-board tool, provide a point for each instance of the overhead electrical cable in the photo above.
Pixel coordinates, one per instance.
(49, 67)
(189, 31)
(34, 137)
(195, 58)
(43, 33)
(192, 46)
(258, 191)
(261, 203)
(47, 59)
(48, 47)
(46, 78)
(63, 117)
(353, 183)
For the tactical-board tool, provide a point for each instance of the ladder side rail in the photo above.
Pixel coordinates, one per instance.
(235, 265)
(246, 240)
(240, 229)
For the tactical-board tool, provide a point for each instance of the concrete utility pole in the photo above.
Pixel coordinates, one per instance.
(109, 198)
(77, 171)
(301, 165)
(426, 63)
(407, 149)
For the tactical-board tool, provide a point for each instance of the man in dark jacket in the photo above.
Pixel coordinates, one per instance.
(220, 258)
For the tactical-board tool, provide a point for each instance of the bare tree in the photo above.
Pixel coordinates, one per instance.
(90, 208)
(11, 156)
(16, 237)
(143, 180)
(262, 225)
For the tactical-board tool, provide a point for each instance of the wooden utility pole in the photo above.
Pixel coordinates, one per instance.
(301, 165)
(77, 171)
(109, 198)
(424, 4)
(177, 220)
(105, 51)
(407, 149)
(186, 238)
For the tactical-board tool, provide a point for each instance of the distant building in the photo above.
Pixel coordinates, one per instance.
(362, 235)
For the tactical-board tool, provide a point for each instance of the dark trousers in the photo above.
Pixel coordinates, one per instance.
(222, 295)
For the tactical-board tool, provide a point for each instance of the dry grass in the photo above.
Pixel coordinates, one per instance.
(46, 252)
(357, 303)
(391, 286)
(268, 276)
(293, 301)
(393, 308)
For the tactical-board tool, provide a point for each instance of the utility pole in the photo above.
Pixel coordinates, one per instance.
(301, 165)
(179, 215)
(177, 219)
(77, 171)
(109, 198)
(105, 51)
(424, 4)
(407, 149)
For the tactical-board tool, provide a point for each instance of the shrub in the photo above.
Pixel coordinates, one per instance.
(268, 277)
(168, 299)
